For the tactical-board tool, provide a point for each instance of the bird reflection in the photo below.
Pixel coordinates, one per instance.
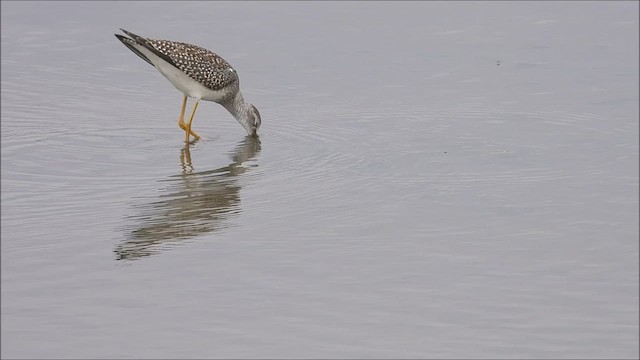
(194, 203)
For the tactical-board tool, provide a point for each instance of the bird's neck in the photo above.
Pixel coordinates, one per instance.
(240, 110)
(237, 106)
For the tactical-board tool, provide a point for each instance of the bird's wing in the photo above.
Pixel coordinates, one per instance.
(199, 63)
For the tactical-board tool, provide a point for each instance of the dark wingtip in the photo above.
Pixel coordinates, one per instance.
(142, 41)
(120, 37)
(135, 37)
(129, 43)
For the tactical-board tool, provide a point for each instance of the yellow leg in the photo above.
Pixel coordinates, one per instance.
(188, 125)
(181, 119)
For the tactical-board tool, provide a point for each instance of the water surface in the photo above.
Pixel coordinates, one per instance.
(432, 180)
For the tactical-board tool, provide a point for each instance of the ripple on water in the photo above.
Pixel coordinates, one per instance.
(69, 169)
(330, 155)
(315, 168)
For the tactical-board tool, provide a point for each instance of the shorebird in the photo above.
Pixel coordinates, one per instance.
(197, 73)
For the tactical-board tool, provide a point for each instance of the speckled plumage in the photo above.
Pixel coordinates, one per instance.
(202, 65)
(199, 63)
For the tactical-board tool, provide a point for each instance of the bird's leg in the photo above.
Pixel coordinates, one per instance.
(181, 119)
(188, 125)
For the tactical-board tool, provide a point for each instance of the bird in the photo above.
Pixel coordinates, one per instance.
(198, 73)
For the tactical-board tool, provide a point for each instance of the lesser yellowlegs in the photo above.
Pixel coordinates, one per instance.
(197, 73)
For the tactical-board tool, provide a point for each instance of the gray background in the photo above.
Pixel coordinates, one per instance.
(432, 180)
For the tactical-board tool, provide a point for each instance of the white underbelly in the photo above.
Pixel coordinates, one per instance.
(182, 81)
(187, 85)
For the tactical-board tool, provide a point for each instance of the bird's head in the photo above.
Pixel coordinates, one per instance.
(253, 121)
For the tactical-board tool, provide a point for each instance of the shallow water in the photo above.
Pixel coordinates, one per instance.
(432, 180)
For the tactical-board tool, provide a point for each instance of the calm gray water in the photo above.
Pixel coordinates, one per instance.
(432, 180)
